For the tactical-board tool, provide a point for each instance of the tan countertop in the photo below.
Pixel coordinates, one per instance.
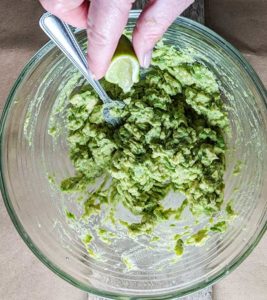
(22, 275)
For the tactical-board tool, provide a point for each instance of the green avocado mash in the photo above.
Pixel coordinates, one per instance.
(171, 138)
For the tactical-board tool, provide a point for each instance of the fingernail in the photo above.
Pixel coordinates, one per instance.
(147, 59)
(92, 75)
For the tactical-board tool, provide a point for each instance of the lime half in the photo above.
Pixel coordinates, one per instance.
(124, 67)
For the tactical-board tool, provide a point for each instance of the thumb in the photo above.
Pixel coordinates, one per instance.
(73, 12)
(152, 23)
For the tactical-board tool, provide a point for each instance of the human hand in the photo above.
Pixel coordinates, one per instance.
(105, 20)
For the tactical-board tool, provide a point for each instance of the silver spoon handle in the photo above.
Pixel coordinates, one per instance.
(62, 36)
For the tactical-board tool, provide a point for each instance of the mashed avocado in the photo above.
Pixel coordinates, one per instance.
(171, 138)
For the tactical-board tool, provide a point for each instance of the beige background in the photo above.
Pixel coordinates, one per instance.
(22, 276)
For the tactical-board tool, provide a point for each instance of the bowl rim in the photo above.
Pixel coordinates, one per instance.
(233, 52)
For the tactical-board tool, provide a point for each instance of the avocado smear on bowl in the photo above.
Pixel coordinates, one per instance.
(171, 139)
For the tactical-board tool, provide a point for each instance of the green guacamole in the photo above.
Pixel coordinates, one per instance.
(171, 138)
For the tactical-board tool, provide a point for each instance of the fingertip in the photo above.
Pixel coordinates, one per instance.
(97, 68)
(147, 59)
(143, 49)
(98, 75)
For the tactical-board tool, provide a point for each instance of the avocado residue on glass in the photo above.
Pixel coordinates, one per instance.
(171, 138)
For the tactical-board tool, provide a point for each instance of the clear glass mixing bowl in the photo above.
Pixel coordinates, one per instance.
(29, 154)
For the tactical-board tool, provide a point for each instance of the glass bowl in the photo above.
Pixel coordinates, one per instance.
(32, 159)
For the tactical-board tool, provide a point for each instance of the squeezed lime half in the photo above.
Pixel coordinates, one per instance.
(124, 68)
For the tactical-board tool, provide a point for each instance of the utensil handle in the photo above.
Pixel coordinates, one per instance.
(61, 34)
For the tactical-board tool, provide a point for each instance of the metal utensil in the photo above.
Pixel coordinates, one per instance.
(61, 34)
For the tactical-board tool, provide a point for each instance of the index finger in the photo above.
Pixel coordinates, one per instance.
(152, 23)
